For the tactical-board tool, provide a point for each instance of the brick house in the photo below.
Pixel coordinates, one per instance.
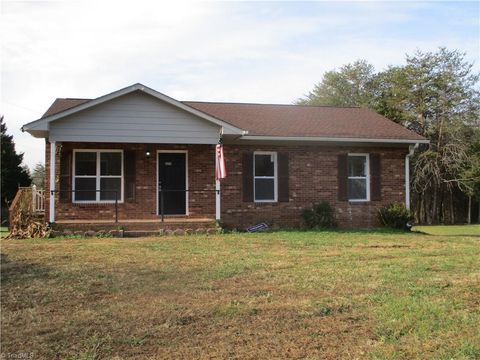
(139, 156)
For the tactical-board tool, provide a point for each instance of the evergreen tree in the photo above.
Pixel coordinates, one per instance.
(13, 174)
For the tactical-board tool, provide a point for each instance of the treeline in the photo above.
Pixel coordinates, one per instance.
(14, 173)
(436, 95)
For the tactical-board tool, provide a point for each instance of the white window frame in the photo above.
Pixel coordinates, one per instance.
(274, 177)
(366, 177)
(97, 176)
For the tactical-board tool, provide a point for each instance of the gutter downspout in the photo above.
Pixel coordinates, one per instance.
(411, 149)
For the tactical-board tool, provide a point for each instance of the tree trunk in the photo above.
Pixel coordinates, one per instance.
(469, 217)
(478, 220)
(452, 209)
(434, 205)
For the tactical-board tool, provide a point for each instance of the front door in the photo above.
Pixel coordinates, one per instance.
(172, 183)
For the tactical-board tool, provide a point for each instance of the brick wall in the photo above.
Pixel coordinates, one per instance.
(201, 175)
(313, 177)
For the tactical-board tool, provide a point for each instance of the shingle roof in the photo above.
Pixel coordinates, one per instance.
(306, 121)
(60, 105)
(290, 120)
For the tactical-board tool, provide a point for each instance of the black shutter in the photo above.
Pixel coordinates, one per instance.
(342, 172)
(247, 169)
(375, 177)
(283, 194)
(65, 176)
(129, 168)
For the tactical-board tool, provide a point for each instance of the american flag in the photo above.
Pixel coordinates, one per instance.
(221, 170)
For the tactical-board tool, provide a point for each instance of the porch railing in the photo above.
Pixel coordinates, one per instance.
(115, 201)
(190, 190)
(38, 200)
(107, 202)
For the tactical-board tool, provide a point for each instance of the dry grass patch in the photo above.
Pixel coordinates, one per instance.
(288, 294)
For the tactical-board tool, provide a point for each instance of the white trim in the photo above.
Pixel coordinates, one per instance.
(217, 189)
(366, 177)
(53, 151)
(127, 90)
(332, 139)
(275, 176)
(407, 174)
(98, 176)
(186, 177)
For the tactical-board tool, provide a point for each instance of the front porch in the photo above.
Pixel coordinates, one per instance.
(131, 186)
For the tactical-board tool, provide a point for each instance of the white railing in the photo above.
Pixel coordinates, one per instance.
(38, 200)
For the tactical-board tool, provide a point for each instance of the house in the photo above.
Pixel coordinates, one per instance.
(139, 156)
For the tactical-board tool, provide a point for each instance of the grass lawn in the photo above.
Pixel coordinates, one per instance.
(324, 295)
(473, 230)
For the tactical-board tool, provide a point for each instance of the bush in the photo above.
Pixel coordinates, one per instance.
(319, 217)
(395, 215)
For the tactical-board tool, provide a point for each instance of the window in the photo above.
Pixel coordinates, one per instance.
(265, 176)
(98, 170)
(358, 177)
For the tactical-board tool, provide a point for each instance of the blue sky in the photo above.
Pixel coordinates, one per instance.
(223, 51)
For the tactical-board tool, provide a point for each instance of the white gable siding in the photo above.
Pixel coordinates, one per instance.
(135, 117)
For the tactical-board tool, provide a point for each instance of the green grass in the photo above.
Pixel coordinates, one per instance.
(328, 295)
(473, 230)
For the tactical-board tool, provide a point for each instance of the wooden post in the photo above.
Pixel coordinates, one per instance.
(34, 197)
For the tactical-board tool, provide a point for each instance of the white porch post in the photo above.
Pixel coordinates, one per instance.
(217, 189)
(53, 151)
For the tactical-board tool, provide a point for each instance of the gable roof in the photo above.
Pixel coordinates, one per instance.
(275, 121)
(60, 108)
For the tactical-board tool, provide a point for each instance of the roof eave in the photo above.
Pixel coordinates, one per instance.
(332, 139)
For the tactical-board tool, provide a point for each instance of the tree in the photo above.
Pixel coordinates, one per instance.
(12, 174)
(38, 176)
(352, 85)
(437, 97)
(471, 175)
(434, 94)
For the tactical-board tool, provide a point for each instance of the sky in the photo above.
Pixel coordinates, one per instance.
(270, 52)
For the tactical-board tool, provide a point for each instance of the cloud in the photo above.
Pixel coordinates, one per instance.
(256, 52)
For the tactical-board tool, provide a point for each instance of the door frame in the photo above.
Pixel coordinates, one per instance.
(186, 178)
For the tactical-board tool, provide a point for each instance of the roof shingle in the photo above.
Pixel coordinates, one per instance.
(289, 120)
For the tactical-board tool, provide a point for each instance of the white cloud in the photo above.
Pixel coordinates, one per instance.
(257, 52)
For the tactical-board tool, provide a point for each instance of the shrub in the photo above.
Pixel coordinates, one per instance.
(319, 217)
(395, 215)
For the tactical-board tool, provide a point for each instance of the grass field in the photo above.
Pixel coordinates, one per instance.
(473, 230)
(324, 295)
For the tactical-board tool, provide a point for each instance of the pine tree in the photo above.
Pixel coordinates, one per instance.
(13, 174)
